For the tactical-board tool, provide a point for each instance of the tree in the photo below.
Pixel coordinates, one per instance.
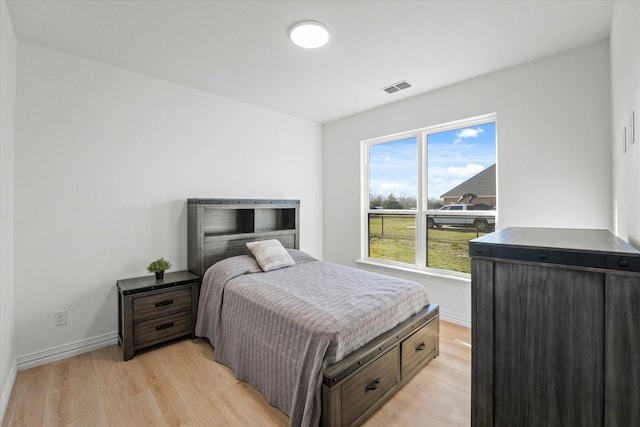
(375, 201)
(434, 203)
(391, 202)
(407, 202)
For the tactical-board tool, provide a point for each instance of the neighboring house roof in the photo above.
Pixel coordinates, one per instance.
(481, 184)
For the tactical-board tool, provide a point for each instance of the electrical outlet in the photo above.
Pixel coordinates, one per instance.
(60, 318)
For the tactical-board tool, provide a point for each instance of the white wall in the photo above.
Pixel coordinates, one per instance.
(554, 157)
(105, 160)
(625, 98)
(8, 50)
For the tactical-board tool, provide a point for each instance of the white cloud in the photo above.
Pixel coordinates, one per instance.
(466, 171)
(395, 186)
(450, 172)
(467, 133)
(386, 186)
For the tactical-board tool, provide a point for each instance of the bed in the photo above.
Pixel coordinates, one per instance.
(325, 343)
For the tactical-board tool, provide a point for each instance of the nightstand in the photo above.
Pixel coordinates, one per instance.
(154, 311)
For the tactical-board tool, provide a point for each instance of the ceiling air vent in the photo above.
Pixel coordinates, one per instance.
(397, 87)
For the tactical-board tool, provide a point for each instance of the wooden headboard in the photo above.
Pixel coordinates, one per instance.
(220, 228)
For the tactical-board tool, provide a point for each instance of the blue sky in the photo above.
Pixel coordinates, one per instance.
(453, 157)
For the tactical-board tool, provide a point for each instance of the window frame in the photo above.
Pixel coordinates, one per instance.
(421, 135)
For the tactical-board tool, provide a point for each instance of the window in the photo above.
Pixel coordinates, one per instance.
(427, 192)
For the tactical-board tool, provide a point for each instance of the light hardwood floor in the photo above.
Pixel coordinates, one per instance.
(181, 385)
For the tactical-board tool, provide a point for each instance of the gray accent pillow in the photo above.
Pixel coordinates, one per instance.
(270, 254)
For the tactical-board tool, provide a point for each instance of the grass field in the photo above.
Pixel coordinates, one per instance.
(394, 239)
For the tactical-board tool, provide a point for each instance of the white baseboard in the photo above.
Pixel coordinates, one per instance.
(456, 318)
(6, 390)
(67, 350)
(95, 343)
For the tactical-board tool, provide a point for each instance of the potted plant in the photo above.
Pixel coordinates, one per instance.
(159, 266)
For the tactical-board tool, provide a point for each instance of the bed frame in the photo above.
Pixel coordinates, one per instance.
(358, 385)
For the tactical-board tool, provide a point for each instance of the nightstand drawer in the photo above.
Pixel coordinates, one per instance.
(161, 329)
(146, 307)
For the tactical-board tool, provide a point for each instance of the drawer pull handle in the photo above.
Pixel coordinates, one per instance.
(623, 262)
(165, 302)
(374, 385)
(420, 346)
(542, 256)
(165, 326)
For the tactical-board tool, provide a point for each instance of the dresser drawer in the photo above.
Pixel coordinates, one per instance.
(365, 388)
(418, 347)
(146, 307)
(161, 329)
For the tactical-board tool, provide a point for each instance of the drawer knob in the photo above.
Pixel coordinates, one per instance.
(542, 256)
(165, 302)
(623, 262)
(420, 346)
(374, 385)
(165, 326)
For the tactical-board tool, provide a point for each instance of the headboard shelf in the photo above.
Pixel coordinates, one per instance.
(220, 228)
(253, 236)
(234, 203)
(219, 235)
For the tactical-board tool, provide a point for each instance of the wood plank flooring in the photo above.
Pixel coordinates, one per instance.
(181, 385)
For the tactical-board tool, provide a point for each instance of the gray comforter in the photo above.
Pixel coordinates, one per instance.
(279, 330)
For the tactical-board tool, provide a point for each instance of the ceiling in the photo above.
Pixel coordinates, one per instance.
(240, 49)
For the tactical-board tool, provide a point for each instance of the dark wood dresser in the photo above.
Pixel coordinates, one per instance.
(555, 329)
(154, 311)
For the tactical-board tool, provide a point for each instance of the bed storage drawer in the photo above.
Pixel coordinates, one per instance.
(345, 398)
(161, 329)
(365, 388)
(419, 347)
(146, 307)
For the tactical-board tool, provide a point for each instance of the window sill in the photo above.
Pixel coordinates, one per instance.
(463, 278)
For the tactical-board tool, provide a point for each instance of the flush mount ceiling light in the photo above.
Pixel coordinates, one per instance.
(309, 34)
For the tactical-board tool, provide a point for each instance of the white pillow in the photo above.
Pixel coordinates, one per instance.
(270, 254)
